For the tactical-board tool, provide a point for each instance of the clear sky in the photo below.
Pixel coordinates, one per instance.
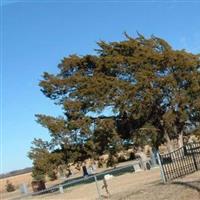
(38, 34)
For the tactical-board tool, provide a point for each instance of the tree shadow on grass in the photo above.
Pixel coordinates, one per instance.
(90, 179)
(195, 185)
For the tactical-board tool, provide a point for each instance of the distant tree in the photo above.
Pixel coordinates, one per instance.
(152, 89)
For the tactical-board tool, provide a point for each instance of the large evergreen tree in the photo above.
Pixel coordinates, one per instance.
(152, 89)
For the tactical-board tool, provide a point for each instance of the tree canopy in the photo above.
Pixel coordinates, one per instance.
(152, 89)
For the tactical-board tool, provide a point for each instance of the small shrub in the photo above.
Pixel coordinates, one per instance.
(112, 161)
(121, 158)
(100, 163)
(9, 186)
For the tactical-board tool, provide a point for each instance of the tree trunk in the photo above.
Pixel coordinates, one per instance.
(180, 139)
(168, 141)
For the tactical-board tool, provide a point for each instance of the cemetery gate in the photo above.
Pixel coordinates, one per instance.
(180, 162)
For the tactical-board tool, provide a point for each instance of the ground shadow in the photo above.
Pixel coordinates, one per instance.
(90, 179)
(195, 185)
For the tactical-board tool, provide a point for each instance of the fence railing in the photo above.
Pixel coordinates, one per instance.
(180, 162)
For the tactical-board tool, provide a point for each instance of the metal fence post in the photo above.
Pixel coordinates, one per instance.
(193, 157)
(161, 168)
(95, 178)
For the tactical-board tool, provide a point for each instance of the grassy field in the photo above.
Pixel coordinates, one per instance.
(17, 181)
(144, 185)
(27, 178)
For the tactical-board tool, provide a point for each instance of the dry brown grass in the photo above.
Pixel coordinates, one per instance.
(145, 185)
(16, 180)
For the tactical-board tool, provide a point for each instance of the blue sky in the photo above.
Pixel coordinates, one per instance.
(38, 34)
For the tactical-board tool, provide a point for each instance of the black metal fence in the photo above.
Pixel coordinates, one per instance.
(180, 162)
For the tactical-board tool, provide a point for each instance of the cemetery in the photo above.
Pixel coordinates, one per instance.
(100, 100)
(102, 183)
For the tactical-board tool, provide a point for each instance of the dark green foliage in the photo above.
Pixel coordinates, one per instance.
(37, 173)
(9, 186)
(52, 175)
(44, 160)
(106, 138)
(152, 89)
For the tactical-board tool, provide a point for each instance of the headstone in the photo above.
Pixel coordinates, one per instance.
(61, 189)
(143, 160)
(90, 170)
(108, 176)
(148, 166)
(136, 167)
(23, 188)
(85, 173)
(94, 166)
(105, 183)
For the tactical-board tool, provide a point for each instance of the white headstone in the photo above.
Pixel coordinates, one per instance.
(23, 188)
(108, 176)
(136, 167)
(61, 189)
